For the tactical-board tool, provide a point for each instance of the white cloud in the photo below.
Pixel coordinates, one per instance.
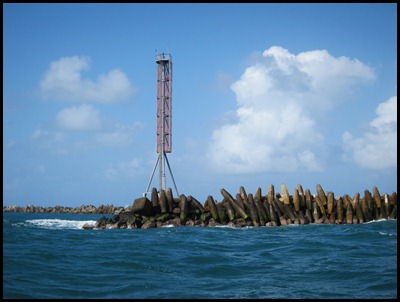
(274, 140)
(387, 116)
(223, 80)
(119, 136)
(124, 170)
(280, 99)
(84, 117)
(49, 140)
(81, 120)
(39, 133)
(63, 81)
(377, 148)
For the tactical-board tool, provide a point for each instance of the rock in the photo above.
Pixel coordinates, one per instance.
(231, 224)
(190, 222)
(88, 226)
(127, 218)
(175, 222)
(149, 224)
(142, 206)
(183, 208)
(101, 223)
(285, 194)
(301, 208)
(213, 208)
(212, 223)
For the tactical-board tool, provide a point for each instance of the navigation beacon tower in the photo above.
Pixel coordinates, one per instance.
(164, 118)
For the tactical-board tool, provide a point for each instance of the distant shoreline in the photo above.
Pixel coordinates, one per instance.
(83, 209)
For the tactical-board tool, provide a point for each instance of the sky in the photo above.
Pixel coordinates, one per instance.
(294, 94)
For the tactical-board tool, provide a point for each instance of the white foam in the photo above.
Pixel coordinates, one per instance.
(372, 221)
(387, 234)
(168, 226)
(60, 223)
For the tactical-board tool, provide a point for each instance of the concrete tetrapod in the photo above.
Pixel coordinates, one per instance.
(246, 210)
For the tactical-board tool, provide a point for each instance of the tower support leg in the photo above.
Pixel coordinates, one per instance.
(152, 175)
(170, 171)
(151, 178)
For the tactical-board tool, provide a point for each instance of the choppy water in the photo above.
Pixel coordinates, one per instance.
(51, 256)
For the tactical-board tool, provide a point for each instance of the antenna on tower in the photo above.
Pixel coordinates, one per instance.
(164, 118)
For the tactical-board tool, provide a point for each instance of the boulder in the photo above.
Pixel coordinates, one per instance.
(149, 224)
(88, 226)
(101, 223)
(142, 206)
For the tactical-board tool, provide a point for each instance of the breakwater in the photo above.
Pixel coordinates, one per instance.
(239, 210)
(270, 209)
(83, 209)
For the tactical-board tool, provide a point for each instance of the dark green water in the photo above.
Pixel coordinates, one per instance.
(50, 256)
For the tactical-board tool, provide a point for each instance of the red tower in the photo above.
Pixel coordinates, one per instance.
(164, 103)
(164, 117)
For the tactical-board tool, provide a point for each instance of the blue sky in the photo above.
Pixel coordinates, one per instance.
(262, 94)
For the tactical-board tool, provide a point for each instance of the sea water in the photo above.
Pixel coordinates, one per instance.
(51, 256)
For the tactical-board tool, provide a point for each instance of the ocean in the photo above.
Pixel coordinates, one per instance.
(50, 256)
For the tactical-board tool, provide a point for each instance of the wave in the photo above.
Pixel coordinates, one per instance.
(59, 223)
(378, 220)
(78, 224)
(168, 226)
(387, 234)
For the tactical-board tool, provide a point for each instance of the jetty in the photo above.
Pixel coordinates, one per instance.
(83, 209)
(253, 210)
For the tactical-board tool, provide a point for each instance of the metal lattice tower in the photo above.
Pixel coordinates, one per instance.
(164, 118)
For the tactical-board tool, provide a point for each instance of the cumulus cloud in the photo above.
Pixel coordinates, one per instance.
(377, 148)
(83, 117)
(63, 80)
(279, 99)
